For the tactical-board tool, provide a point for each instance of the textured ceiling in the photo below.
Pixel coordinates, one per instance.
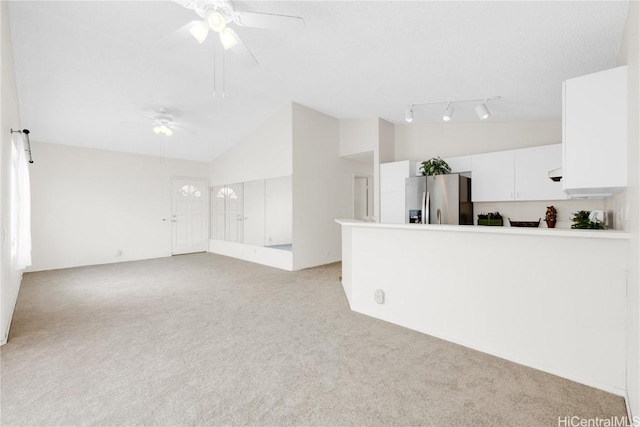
(84, 67)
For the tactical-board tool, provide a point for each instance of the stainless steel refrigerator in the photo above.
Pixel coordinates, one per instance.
(448, 199)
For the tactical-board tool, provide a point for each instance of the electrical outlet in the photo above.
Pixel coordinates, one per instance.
(379, 296)
(118, 252)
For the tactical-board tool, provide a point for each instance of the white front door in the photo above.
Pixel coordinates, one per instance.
(189, 215)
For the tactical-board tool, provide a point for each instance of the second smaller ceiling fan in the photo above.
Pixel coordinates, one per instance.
(162, 124)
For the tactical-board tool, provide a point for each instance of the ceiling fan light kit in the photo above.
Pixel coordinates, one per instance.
(481, 109)
(217, 15)
(216, 21)
(162, 129)
(228, 38)
(199, 30)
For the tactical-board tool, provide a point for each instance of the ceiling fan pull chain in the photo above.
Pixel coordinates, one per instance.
(214, 71)
(223, 73)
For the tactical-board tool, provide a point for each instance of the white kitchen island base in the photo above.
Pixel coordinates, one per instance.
(550, 299)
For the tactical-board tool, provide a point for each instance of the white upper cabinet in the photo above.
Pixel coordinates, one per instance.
(595, 133)
(532, 166)
(521, 175)
(492, 176)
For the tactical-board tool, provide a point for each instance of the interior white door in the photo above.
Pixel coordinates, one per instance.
(189, 215)
(234, 213)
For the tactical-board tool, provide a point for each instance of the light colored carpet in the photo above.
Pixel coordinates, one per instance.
(208, 340)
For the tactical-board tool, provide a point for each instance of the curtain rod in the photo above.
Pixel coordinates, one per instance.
(28, 149)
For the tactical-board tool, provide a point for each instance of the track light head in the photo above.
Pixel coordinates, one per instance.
(448, 113)
(408, 115)
(483, 112)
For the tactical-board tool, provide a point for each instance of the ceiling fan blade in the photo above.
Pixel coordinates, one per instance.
(175, 126)
(178, 36)
(242, 51)
(268, 21)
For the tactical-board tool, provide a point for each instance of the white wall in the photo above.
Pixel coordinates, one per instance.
(385, 153)
(10, 277)
(322, 188)
(264, 153)
(278, 211)
(630, 201)
(358, 136)
(423, 141)
(540, 298)
(370, 140)
(87, 204)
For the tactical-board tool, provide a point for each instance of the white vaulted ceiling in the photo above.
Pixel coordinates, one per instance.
(83, 67)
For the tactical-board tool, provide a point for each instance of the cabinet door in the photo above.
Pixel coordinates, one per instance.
(493, 176)
(595, 132)
(532, 166)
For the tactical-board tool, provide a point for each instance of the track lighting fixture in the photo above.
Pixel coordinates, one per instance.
(408, 114)
(448, 113)
(481, 109)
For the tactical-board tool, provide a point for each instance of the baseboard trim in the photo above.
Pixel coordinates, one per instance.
(260, 255)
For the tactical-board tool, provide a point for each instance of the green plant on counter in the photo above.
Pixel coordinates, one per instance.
(434, 166)
(581, 220)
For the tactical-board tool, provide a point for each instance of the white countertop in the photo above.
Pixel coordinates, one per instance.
(526, 231)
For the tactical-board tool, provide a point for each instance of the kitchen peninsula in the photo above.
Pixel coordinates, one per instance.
(552, 299)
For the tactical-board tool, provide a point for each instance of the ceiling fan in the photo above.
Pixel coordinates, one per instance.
(219, 16)
(162, 124)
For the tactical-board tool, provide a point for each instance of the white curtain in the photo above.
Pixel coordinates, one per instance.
(21, 221)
